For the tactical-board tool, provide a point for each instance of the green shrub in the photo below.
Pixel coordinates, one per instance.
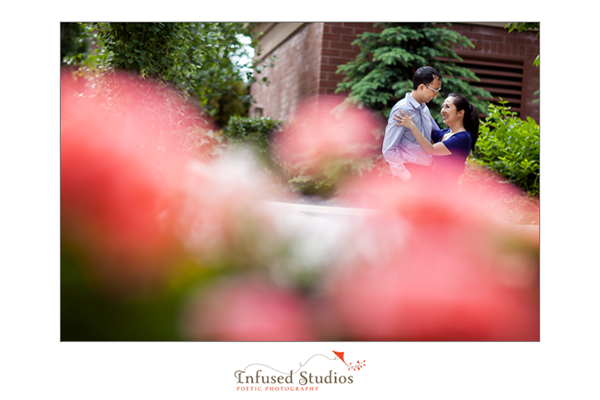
(295, 176)
(324, 182)
(257, 134)
(252, 131)
(510, 147)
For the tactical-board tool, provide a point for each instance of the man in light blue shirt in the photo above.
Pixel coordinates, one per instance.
(400, 148)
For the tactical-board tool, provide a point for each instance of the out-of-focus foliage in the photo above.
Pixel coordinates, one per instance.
(252, 131)
(72, 41)
(196, 58)
(382, 72)
(511, 147)
(233, 103)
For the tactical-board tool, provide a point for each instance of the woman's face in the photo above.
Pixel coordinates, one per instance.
(449, 113)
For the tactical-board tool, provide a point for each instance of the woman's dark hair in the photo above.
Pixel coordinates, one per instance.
(425, 75)
(471, 117)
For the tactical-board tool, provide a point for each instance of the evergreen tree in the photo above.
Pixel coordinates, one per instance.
(382, 72)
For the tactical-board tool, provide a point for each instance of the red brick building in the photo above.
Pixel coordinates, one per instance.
(308, 55)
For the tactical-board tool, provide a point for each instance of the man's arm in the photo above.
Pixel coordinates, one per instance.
(393, 134)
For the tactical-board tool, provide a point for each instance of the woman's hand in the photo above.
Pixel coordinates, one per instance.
(404, 120)
(438, 149)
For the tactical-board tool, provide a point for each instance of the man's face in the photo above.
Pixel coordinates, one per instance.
(431, 90)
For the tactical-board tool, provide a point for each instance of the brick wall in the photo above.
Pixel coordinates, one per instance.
(337, 50)
(295, 75)
(309, 58)
(306, 66)
(496, 42)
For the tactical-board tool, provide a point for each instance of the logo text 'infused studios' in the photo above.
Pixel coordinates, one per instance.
(323, 371)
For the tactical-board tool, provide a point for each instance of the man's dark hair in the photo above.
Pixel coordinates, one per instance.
(425, 75)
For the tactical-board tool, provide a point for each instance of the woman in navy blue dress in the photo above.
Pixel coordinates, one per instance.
(450, 147)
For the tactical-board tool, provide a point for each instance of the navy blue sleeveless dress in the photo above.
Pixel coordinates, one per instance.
(459, 144)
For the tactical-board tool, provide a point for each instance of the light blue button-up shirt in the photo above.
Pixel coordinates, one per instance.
(399, 145)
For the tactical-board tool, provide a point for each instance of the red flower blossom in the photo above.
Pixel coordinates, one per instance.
(433, 263)
(120, 163)
(324, 130)
(248, 309)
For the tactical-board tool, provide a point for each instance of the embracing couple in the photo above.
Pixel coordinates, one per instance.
(415, 147)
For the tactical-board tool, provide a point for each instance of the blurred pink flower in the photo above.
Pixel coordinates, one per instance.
(224, 219)
(121, 166)
(503, 197)
(247, 309)
(434, 263)
(323, 129)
